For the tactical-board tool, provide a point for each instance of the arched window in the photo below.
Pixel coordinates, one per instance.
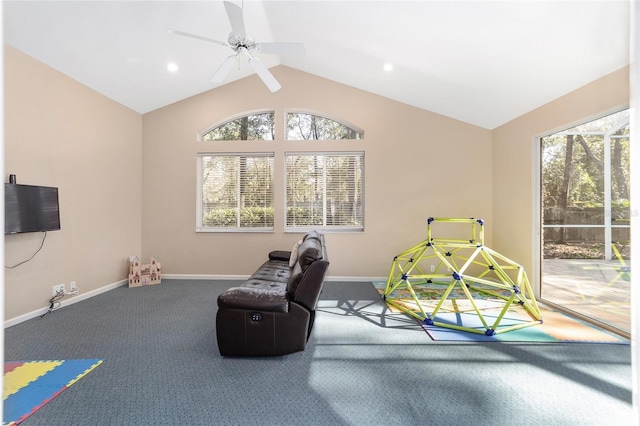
(252, 127)
(306, 126)
(236, 187)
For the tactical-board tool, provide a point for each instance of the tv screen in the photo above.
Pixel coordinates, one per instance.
(29, 208)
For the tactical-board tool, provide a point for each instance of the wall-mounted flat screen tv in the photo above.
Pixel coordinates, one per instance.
(30, 208)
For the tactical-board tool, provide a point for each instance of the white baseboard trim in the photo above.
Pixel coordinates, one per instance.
(83, 296)
(244, 277)
(64, 302)
(203, 277)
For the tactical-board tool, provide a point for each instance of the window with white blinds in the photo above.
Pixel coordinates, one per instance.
(325, 191)
(235, 192)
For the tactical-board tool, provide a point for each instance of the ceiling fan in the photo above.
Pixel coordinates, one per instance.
(241, 44)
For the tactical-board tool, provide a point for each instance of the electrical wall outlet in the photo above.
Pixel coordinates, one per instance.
(57, 289)
(73, 286)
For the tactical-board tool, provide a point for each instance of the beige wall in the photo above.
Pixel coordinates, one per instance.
(417, 164)
(60, 133)
(514, 160)
(115, 201)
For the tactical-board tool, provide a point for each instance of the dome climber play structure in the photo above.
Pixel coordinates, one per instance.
(461, 273)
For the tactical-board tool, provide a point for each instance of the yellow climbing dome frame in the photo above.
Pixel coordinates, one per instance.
(468, 265)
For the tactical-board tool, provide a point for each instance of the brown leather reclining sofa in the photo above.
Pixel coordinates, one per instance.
(272, 312)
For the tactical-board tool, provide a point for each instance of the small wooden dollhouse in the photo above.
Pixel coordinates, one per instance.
(146, 274)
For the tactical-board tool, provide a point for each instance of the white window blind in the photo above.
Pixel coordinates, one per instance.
(235, 192)
(325, 190)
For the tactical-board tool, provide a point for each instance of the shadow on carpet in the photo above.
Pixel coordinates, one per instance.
(457, 311)
(29, 385)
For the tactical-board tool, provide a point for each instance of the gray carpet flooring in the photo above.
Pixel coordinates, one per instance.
(363, 366)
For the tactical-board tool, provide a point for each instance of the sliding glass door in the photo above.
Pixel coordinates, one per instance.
(586, 220)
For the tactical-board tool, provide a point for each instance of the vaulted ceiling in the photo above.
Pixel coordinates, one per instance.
(482, 62)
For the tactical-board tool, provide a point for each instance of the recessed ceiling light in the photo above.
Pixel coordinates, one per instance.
(172, 67)
(387, 66)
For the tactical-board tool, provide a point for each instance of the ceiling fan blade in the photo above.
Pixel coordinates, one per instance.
(197, 37)
(224, 69)
(281, 48)
(234, 12)
(267, 78)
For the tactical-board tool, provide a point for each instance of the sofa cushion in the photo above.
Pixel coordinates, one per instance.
(312, 234)
(264, 284)
(309, 251)
(270, 271)
(294, 280)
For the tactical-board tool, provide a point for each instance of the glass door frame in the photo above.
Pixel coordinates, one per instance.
(607, 226)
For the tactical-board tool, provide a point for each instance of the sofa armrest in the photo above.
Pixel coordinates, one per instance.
(280, 255)
(259, 299)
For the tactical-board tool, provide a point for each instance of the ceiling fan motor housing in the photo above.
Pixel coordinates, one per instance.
(237, 43)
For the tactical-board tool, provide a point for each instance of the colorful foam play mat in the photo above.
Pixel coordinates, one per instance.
(460, 320)
(29, 385)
